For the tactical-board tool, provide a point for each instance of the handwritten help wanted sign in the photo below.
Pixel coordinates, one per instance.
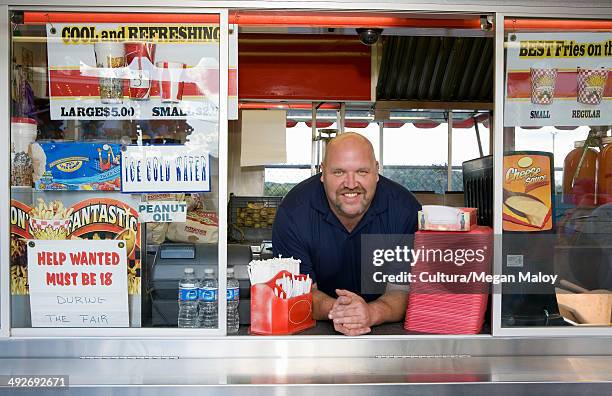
(75, 283)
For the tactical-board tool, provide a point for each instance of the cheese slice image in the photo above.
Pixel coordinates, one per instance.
(527, 206)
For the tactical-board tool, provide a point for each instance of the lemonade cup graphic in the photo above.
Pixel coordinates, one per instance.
(543, 85)
(591, 85)
(171, 81)
(139, 58)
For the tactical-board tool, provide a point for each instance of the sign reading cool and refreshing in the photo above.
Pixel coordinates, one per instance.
(558, 79)
(78, 284)
(133, 71)
(165, 169)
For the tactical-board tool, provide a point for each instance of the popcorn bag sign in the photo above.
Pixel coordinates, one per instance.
(77, 284)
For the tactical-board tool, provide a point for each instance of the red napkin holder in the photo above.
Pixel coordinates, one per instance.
(436, 309)
(271, 315)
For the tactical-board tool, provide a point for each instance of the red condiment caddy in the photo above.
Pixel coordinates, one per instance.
(272, 315)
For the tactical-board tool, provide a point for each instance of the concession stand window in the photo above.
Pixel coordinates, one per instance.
(415, 77)
(119, 157)
(118, 131)
(554, 178)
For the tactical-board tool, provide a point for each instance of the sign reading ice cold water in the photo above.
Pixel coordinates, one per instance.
(165, 169)
(77, 283)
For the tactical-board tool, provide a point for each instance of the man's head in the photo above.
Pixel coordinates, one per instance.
(349, 176)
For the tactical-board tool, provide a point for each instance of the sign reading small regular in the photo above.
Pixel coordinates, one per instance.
(165, 169)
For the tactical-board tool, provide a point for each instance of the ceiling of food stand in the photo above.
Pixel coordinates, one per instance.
(414, 69)
(420, 76)
(430, 68)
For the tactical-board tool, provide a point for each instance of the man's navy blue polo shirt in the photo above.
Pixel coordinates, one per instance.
(305, 228)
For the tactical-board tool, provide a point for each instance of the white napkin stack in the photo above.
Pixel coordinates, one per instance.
(261, 271)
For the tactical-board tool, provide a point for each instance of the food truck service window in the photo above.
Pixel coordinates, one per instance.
(120, 216)
(557, 179)
(117, 173)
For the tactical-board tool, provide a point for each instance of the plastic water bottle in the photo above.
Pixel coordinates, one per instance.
(208, 302)
(233, 298)
(188, 300)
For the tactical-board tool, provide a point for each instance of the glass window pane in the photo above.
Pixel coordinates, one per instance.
(114, 178)
(555, 211)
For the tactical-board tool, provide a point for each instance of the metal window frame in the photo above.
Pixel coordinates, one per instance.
(498, 142)
(596, 9)
(5, 108)
(560, 9)
(5, 196)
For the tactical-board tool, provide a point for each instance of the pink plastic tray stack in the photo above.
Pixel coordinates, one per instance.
(443, 307)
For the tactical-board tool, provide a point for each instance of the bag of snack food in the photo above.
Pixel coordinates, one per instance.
(201, 227)
(59, 165)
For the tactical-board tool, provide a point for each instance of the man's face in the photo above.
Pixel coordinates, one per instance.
(349, 176)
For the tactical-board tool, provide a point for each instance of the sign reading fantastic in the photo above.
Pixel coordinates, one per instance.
(118, 71)
(558, 79)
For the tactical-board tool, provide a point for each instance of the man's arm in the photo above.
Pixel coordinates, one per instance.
(287, 241)
(390, 307)
(322, 304)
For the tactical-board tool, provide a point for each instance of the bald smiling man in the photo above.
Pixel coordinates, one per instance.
(321, 221)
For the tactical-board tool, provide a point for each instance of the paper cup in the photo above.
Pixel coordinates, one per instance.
(171, 82)
(591, 84)
(543, 85)
(140, 57)
(23, 133)
(109, 56)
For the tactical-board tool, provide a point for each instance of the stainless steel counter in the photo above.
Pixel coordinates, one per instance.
(387, 363)
(356, 376)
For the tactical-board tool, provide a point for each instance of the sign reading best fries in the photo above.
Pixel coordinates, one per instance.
(558, 79)
(76, 284)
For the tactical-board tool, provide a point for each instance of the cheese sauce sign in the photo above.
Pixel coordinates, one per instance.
(91, 219)
(133, 71)
(528, 181)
